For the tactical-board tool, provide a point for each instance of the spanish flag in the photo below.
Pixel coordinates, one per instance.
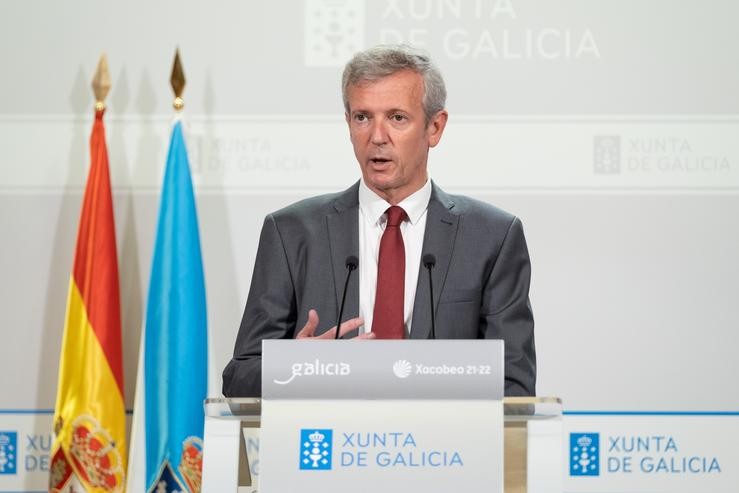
(89, 450)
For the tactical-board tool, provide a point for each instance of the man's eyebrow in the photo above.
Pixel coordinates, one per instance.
(388, 111)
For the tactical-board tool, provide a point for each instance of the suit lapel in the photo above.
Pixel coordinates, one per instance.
(343, 236)
(438, 239)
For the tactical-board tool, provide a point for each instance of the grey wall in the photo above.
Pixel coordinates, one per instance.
(609, 127)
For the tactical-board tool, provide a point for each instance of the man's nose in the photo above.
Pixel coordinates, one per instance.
(379, 132)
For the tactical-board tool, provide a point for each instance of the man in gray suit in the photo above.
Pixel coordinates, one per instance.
(394, 99)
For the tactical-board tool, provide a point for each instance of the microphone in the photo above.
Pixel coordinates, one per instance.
(351, 264)
(429, 261)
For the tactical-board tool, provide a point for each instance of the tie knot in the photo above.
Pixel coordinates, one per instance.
(395, 215)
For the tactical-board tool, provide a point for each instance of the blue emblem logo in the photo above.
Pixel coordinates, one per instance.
(584, 454)
(316, 447)
(8, 452)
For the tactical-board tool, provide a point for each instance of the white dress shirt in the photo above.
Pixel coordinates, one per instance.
(372, 220)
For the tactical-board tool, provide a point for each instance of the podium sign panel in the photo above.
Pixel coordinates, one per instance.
(391, 416)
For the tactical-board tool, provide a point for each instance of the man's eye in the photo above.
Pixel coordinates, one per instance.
(360, 118)
(398, 118)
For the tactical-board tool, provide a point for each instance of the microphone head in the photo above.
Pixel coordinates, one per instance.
(351, 262)
(429, 260)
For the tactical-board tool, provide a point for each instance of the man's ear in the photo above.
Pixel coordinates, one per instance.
(436, 126)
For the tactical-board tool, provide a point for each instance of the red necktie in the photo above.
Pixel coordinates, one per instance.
(387, 319)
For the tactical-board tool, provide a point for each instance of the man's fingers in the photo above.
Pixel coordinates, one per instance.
(309, 329)
(310, 326)
(349, 325)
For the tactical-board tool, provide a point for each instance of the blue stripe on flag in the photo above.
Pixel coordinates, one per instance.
(176, 346)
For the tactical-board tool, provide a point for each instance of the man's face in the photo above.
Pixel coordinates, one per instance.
(388, 130)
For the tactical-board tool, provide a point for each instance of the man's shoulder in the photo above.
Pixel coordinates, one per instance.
(477, 210)
(313, 208)
(308, 206)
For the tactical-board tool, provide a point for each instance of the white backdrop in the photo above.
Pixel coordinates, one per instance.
(609, 127)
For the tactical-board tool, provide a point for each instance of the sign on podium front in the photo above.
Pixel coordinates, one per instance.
(390, 416)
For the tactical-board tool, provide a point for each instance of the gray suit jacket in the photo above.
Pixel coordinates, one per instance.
(481, 281)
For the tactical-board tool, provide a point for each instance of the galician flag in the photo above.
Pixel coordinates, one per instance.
(89, 450)
(167, 443)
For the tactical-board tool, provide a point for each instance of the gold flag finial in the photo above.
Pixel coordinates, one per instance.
(101, 83)
(177, 80)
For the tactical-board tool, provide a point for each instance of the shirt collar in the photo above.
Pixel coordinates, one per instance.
(373, 206)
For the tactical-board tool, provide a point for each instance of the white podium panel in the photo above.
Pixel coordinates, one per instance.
(228, 456)
(388, 446)
(533, 440)
(343, 416)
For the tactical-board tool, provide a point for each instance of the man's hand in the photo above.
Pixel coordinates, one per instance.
(312, 324)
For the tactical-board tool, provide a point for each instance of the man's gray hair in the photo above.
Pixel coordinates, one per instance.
(378, 62)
